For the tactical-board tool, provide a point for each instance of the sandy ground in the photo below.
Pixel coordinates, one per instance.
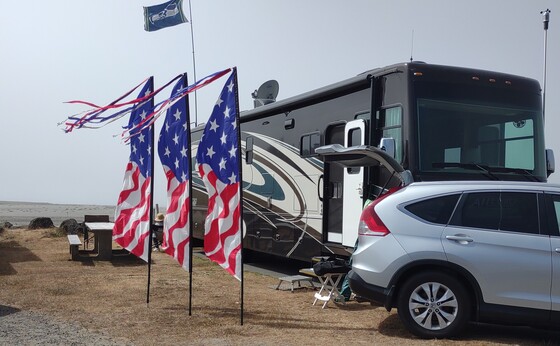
(45, 298)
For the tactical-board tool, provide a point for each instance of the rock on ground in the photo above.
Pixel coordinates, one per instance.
(41, 222)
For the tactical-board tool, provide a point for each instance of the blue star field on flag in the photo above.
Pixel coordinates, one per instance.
(141, 142)
(219, 144)
(173, 139)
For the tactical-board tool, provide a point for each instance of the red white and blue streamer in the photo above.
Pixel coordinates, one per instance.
(96, 117)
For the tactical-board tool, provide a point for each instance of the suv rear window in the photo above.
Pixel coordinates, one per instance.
(435, 210)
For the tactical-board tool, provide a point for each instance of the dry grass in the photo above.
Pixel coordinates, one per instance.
(36, 274)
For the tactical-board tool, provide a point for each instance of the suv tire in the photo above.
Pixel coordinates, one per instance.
(433, 305)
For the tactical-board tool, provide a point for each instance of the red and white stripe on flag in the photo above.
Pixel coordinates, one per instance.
(222, 231)
(132, 215)
(176, 235)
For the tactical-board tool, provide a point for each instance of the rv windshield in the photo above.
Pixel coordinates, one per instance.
(473, 133)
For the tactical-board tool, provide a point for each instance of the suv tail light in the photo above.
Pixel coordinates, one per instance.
(370, 223)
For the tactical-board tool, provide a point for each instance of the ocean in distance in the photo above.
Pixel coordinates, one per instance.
(20, 214)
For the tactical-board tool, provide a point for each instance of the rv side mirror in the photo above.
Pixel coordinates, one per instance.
(388, 146)
(549, 162)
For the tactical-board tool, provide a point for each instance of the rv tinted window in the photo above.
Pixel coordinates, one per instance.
(364, 116)
(354, 137)
(309, 143)
(435, 210)
(249, 150)
(390, 124)
(501, 136)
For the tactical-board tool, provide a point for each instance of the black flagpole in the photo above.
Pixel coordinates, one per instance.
(189, 167)
(239, 163)
(152, 138)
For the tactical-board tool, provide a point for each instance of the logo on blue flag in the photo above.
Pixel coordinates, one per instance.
(164, 15)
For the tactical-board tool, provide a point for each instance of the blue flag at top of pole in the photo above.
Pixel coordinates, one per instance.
(164, 15)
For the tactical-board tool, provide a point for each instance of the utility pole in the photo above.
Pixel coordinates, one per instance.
(546, 17)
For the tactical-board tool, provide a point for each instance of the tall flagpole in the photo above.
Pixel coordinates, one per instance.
(152, 138)
(239, 163)
(194, 67)
(546, 17)
(189, 187)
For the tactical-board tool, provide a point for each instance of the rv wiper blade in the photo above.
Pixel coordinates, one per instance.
(471, 166)
(521, 171)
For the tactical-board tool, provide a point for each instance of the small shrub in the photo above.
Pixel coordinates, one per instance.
(56, 232)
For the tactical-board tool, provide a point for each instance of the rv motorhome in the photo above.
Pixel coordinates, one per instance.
(436, 122)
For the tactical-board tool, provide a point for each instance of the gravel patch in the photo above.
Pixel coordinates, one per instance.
(19, 327)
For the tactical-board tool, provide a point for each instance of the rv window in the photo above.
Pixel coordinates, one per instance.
(364, 116)
(390, 125)
(309, 143)
(354, 137)
(249, 150)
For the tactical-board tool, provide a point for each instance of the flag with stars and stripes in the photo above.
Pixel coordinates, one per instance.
(132, 215)
(218, 158)
(175, 155)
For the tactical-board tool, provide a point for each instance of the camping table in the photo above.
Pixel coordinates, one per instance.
(103, 239)
(329, 286)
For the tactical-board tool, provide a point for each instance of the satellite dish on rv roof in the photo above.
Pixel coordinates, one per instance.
(266, 94)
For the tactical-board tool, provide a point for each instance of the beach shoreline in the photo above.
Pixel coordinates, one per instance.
(19, 214)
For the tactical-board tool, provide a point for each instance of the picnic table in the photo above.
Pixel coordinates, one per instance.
(103, 239)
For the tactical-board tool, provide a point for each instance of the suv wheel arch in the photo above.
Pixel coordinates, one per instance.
(460, 273)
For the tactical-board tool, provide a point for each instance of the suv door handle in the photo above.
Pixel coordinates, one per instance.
(461, 239)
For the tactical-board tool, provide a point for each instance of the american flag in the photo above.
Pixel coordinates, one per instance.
(218, 158)
(174, 153)
(132, 216)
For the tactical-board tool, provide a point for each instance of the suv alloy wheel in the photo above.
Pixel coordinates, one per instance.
(433, 305)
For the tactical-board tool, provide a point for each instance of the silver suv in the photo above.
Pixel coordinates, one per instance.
(446, 253)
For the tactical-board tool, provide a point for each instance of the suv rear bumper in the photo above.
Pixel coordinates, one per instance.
(371, 292)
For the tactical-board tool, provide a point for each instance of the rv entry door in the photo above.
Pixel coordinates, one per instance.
(354, 135)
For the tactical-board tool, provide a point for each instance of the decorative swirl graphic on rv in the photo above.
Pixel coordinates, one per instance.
(264, 184)
(279, 195)
(296, 176)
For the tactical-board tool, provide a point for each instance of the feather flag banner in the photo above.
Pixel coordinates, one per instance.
(174, 153)
(132, 215)
(219, 167)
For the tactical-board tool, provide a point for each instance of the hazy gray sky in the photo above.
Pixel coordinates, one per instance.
(59, 50)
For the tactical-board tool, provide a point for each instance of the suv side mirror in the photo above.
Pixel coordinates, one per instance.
(549, 162)
(388, 146)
